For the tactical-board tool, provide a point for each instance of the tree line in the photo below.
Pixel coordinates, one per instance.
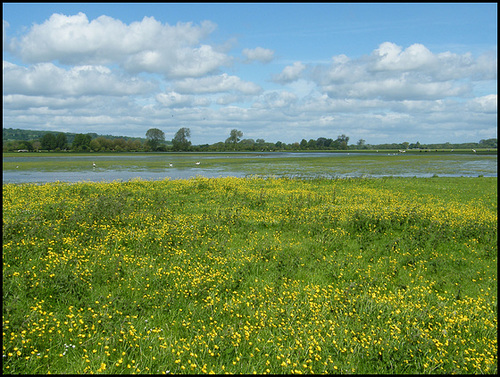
(155, 141)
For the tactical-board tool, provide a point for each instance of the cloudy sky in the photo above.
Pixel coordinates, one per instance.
(280, 72)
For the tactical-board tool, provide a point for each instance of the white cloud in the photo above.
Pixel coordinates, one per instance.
(390, 57)
(49, 80)
(179, 62)
(230, 98)
(216, 84)
(290, 73)
(276, 100)
(263, 55)
(485, 104)
(145, 46)
(394, 73)
(177, 100)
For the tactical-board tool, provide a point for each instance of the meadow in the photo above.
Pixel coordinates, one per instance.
(251, 275)
(114, 166)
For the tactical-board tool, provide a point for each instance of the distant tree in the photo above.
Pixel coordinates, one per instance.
(37, 145)
(488, 143)
(81, 142)
(303, 144)
(320, 142)
(154, 138)
(248, 142)
(95, 145)
(61, 141)
(260, 141)
(120, 144)
(180, 141)
(48, 141)
(25, 144)
(341, 142)
(134, 145)
(234, 136)
(361, 143)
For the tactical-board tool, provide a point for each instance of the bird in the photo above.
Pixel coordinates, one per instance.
(170, 165)
(93, 164)
(474, 150)
(197, 162)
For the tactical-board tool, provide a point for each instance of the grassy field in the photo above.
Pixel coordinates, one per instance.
(303, 165)
(393, 275)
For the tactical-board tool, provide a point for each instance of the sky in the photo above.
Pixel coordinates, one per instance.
(382, 73)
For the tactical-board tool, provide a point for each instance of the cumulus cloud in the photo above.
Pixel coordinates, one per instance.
(484, 104)
(230, 98)
(263, 55)
(177, 100)
(274, 100)
(391, 57)
(290, 73)
(217, 84)
(144, 46)
(49, 80)
(394, 73)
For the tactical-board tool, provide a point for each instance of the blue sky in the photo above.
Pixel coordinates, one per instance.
(280, 72)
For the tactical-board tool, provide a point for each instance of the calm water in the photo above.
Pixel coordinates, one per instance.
(262, 164)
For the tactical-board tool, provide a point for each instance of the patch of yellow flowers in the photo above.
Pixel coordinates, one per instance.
(244, 275)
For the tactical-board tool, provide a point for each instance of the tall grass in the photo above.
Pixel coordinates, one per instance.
(251, 275)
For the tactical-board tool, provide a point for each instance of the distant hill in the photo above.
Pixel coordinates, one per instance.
(12, 134)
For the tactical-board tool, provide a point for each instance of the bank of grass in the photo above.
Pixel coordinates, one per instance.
(251, 275)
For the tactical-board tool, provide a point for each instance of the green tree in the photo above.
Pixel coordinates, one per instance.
(180, 141)
(234, 136)
(341, 142)
(155, 137)
(61, 141)
(81, 142)
(361, 144)
(48, 141)
(25, 144)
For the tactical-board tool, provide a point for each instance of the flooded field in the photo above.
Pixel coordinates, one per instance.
(112, 167)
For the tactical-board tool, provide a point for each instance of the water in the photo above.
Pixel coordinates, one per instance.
(104, 175)
(306, 165)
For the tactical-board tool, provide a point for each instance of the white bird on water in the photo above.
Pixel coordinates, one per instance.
(93, 165)
(170, 164)
(474, 150)
(197, 162)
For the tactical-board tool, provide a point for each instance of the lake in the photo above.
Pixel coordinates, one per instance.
(37, 168)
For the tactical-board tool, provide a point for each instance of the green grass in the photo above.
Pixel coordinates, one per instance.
(305, 166)
(393, 275)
